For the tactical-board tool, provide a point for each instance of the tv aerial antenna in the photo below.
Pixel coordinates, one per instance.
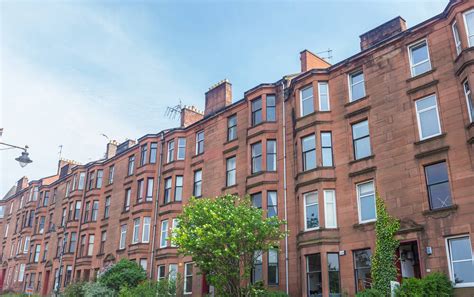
(173, 112)
(327, 54)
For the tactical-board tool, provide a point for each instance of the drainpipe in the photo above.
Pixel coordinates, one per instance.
(155, 215)
(284, 185)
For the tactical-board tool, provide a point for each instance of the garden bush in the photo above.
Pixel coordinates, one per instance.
(150, 289)
(97, 289)
(74, 290)
(434, 284)
(124, 273)
(369, 293)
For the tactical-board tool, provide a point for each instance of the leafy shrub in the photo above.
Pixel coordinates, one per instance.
(74, 290)
(124, 273)
(150, 289)
(434, 284)
(258, 289)
(369, 293)
(97, 289)
(410, 287)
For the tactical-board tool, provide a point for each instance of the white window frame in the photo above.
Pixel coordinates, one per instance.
(457, 38)
(306, 205)
(326, 212)
(136, 231)
(409, 47)
(181, 147)
(450, 263)
(174, 224)
(359, 204)
(307, 98)
(466, 95)
(327, 95)
(90, 245)
(123, 237)
(426, 109)
(164, 234)
(21, 273)
(158, 277)
(172, 276)
(26, 245)
(466, 27)
(6, 230)
(185, 278)
(146, 230)
(349, 82)
(170, 154)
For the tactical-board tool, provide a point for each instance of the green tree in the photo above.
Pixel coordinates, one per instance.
(384, 258)
(123, 273)
(223, 236)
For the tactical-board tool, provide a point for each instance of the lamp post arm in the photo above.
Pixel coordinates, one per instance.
(14, 146)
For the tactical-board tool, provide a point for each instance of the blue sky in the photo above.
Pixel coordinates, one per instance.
(72, 70)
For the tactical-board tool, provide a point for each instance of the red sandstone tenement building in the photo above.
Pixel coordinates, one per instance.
(313, 148)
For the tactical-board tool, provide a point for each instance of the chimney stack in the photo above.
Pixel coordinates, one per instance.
(382, 32)
(190, 115)
(311, 61)
(218, 97)
(21, 184)
(111, 149)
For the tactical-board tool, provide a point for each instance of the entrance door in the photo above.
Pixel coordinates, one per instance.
(44, 292)
(408, 260)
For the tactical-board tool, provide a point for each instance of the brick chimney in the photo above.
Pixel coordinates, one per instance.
(190, 115)
(21, 184)
(311, 61)
(382, 32)
(111, 149)
(64, 166)
(218, 97)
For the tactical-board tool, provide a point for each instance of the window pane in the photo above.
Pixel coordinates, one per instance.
(440, 195)
(309, 160)
(463, 272)
(419, 53)
(308, 106)
(357, 77)
(333, 262)
(470, 26)
(436, 173)
(362, 148)
(312, 216)
(366, 188)
(362, 258)
(426, 103)
(314, 262)
(421, 68)
(429, 123)
(272, 198)
(306, 93)
(360, 129)
(367, 208)
(460, 248)
(257, 200)
(256, 104)
(327, 156)
(326, 139)
(308, 143)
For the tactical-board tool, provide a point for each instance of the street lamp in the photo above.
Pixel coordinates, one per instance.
(24, 159)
